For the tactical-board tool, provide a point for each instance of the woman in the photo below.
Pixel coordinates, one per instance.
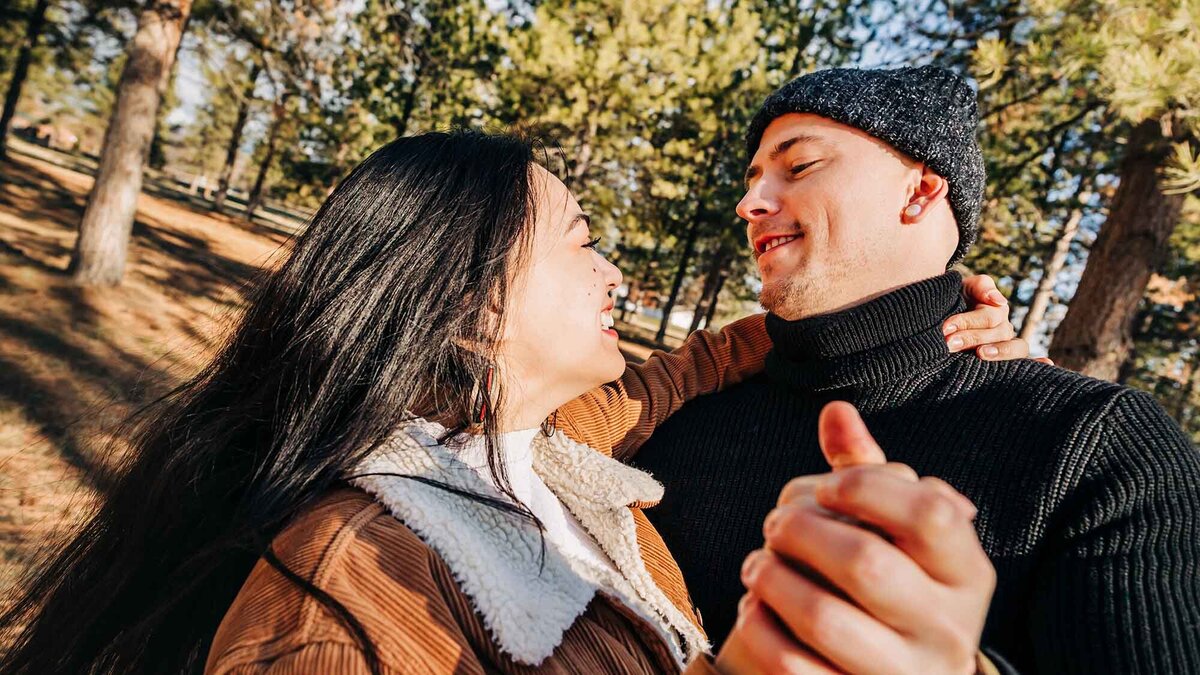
(368, 476)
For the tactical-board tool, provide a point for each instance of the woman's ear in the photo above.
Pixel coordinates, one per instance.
(929, 192)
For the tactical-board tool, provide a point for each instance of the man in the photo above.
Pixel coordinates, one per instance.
(863, 187)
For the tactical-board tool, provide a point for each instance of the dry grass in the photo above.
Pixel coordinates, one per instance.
(75, 361)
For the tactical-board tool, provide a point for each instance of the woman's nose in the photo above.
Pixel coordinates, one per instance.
(612, 274)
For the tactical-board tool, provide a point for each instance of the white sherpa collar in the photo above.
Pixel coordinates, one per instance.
(526, 600)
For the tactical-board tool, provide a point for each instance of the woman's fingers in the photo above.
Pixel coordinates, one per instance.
(922, 518)
(986, 325)
(1004, 351)
(804, 487)
(845, 635)
(759, 644)
(981, 289)
(871, 571)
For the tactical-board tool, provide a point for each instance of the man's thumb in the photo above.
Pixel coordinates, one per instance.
(845, 439)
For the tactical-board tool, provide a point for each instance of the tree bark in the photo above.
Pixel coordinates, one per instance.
(716, 298)
(410, 102)
(583, 155)
(102, 246)
(33, 30)
(231, 153)
(637, 285)
(1041, 297)
(1187, 411)
(685, 258)
(712, 280)
(256, 194)
(1095, 337)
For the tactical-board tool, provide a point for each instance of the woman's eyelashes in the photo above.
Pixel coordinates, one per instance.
(592, 244)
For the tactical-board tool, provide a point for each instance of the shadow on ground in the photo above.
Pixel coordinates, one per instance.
(75, 362)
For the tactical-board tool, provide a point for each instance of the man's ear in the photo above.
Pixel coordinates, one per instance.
(930, 191)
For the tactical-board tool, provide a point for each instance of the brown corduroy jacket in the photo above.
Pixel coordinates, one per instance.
(407, 599)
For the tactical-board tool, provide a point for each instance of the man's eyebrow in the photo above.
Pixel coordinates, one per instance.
(754, 171)
(751, 174)
(801, 138)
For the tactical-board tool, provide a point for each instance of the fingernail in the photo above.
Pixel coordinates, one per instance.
(996, 298)
(949, 328)
(750, 567)
(743, 608)
(827, 487)
(990, 351)
(771, 524)
(956, 343)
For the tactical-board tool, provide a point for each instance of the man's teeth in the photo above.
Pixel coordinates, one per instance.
(777, 242)
(606, 320)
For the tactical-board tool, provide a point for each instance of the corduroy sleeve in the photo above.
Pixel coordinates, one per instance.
(319, 657)
(617, 418)
(394, 586)
(1119, 588)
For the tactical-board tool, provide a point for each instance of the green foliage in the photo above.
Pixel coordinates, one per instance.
(644, 105)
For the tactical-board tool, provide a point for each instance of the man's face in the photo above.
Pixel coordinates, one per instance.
(823, 207)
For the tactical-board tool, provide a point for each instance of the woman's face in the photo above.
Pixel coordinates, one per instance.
(558, 340)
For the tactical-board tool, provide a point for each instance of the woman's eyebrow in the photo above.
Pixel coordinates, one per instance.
(580, 218)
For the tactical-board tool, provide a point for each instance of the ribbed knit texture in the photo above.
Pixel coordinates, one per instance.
(1088, 493)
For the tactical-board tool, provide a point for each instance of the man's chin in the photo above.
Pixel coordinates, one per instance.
(777, 297)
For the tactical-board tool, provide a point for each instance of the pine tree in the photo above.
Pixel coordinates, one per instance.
(101, 249)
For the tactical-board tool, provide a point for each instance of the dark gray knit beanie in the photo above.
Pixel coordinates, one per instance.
(928, 113)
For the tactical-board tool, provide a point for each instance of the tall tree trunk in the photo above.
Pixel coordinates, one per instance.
(1187, 411)
(1041, 297)
(410, 102)
(712, 280)
(231, 152)
(1095, 336)
(1040, 301)
(33, 30)
(102, 246)
(256, 194)
(583, 155)
(685, 258)
(635, 287)
(716, 298)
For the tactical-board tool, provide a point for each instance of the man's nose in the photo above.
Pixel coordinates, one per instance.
(757, 204)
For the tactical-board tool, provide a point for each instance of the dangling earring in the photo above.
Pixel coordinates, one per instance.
(912, 210)
(550, 425)
(483, 394)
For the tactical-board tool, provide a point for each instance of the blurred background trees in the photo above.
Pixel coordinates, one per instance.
(1088, 109)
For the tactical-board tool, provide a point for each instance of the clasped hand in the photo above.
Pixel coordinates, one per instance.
(869, 569)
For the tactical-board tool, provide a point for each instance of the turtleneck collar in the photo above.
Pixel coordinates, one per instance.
(896, 334)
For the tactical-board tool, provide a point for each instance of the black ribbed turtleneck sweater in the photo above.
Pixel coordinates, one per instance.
(1088, 493)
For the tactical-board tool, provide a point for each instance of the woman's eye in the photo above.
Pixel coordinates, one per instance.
(799, 168)
(592, 244)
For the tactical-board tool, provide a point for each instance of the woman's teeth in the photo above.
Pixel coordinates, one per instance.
(606, 320)
(777, 242)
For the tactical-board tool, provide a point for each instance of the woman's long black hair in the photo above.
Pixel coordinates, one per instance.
(388, 304)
